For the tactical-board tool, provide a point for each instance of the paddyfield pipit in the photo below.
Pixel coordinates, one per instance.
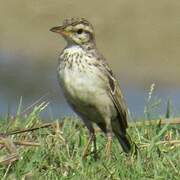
(89, 85)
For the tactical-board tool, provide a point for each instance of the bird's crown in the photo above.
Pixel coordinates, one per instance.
(75, 21)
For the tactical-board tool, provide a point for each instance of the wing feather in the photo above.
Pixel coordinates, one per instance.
(115, 94)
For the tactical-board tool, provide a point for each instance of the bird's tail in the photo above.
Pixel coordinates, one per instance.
(127, 144)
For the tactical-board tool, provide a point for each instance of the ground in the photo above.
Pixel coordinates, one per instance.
(55, 152)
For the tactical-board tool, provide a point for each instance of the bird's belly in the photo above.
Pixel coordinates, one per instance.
(81, 86)
(87, 92)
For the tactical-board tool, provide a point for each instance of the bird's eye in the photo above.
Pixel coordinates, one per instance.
(79, 31)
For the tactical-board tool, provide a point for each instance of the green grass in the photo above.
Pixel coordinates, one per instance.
(58, 155)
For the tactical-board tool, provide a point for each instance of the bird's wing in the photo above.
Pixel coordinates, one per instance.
(115, 94)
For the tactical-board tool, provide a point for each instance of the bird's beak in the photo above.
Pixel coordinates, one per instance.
(59, 30)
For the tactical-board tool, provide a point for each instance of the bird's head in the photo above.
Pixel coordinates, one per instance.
(76, 31)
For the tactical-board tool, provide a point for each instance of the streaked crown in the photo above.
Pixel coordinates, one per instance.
(76, 31)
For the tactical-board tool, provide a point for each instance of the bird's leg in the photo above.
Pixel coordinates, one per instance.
(108, 145)
(95, 147)
(91, 138)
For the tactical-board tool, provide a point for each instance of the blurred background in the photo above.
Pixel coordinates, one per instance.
(140, 39)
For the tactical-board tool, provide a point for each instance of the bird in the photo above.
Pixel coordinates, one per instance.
(89, 85)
